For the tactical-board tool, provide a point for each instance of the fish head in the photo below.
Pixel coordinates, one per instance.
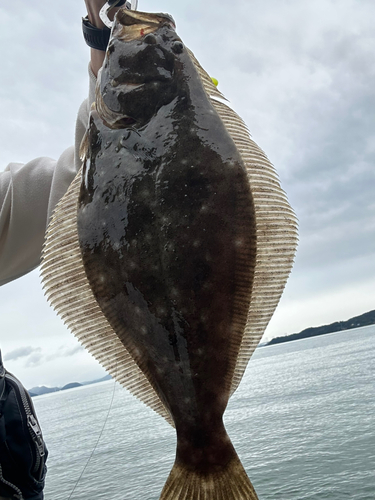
(138, 75)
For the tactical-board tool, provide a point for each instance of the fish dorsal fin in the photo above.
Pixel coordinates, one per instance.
(276, 228)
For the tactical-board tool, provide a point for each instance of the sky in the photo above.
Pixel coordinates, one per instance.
(300, 73)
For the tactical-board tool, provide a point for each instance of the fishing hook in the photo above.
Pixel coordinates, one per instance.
(110, 4)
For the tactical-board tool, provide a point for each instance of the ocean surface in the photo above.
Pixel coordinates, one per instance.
(302, 421)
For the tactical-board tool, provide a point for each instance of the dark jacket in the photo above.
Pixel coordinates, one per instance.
(23, 452)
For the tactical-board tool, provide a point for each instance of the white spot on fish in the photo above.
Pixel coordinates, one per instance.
(196, 243)
(143, 330)
(239, 242)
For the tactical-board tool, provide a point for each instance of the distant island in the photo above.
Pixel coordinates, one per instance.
(356, 322)
(38, 391)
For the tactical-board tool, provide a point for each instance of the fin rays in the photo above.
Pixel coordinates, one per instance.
(229, 483)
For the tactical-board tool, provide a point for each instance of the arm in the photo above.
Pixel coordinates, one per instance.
(93, 7)
(29, 192)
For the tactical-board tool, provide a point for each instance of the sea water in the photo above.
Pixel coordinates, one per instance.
(302, 422)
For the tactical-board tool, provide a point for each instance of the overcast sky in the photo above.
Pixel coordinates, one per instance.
(300, 73)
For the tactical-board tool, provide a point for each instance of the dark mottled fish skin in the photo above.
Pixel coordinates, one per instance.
(166, 226)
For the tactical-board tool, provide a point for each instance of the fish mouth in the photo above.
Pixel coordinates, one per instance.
(132, 25)
(111, 119)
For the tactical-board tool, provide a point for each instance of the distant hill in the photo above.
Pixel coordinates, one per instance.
(356, 322)
(38, 391)
(72, 385)
(103, 379)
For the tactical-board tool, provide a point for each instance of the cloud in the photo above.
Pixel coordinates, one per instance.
(74, 350)
(35, 359)
(22, 352)
(35, 356)
(65, 352)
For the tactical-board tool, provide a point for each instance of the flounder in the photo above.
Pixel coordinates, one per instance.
(170, 251)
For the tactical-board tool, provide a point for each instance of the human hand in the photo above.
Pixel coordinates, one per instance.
(93, 8)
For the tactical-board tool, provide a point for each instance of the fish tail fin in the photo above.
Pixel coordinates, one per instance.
(225, 483)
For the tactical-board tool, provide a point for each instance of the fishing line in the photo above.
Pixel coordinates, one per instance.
(100, 435)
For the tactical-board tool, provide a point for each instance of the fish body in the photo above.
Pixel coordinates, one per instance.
(170, 251)
(166, 226)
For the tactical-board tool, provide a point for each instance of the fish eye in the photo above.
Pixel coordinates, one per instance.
(150, 39)
(177, 47)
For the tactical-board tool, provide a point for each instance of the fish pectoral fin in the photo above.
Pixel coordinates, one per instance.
(230, 482)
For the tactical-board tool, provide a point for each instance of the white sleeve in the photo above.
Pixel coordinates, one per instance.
(28, 195)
